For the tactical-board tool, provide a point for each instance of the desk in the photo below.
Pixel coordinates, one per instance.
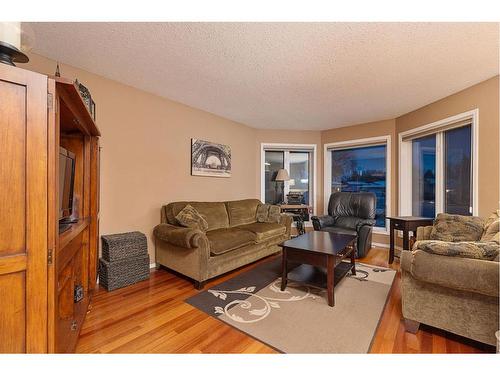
(300, 214)
(406, 224)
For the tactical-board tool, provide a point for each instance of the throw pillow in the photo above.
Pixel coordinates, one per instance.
(268, 213)
(493, 217)
(274, 214)
(474, 250)
(492, 228)
(491, 233)
(262, 213)
(457, 228)
(189, 217)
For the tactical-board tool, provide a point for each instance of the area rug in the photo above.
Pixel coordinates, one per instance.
(299, 320)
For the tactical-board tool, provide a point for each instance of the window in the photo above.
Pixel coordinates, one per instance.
(274, 161)
(360, 166)
(424, 176)
(299, 174)
(439, 161)
(457, 171)
(299, 161)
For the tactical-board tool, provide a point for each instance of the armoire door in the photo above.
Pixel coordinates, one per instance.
(23, 211)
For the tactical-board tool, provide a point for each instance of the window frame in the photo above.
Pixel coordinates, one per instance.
(354, 143)
(305, 147)
(437, 128)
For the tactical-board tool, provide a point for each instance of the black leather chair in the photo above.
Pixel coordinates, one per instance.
(350, 213)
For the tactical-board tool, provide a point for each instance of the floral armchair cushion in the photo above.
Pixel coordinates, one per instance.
(474, 250)
(457, 228)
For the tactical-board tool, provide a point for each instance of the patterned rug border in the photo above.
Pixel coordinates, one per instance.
(270, 262)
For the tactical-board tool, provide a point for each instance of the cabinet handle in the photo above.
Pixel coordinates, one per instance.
(73, 325)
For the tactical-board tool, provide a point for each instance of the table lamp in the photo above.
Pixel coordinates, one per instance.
(282, 176)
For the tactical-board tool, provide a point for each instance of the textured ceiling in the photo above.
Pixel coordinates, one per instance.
(283, 75)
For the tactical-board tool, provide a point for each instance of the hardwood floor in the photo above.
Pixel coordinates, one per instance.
(151, 317)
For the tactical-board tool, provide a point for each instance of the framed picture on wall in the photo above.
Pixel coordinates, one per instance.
(210, 159)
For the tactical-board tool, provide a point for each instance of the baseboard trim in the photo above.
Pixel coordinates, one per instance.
(152, 265)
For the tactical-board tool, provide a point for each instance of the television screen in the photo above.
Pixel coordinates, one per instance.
(66, 179)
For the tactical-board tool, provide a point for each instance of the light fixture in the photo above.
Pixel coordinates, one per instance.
(282, 176)
(14, 41)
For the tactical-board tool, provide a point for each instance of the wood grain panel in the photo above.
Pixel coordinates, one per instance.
(13, 263)
(12, 314)
(36, 212)
(52, 211)
(12, 168)
(94, 212)
(23, 202)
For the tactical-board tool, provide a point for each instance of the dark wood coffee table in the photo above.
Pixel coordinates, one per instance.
(321, 249)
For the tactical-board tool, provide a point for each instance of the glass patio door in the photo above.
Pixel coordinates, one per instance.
(457, 171)
(424, 176)
(441, 173)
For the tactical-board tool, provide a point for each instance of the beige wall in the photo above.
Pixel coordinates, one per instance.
(483, 96)
(371, 129)
(145, 160)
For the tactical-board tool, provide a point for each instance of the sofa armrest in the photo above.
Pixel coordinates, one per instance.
(322, 221)
(286, 220)
(472, 275)
(424, 233)
(188, 238)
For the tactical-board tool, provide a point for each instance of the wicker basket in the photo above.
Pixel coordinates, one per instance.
(124, 246)
(117, 274)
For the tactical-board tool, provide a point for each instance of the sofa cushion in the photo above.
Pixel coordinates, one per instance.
(473, 250)
(215, 213)
(264, 231)
(457, 228)
(228, 239)
(189, 217)
(242, 212)
(471, 275)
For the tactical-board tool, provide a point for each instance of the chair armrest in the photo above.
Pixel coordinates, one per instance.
(322, 221)
(188, 238)
(471, 275)
(363, 222)
(424, 233)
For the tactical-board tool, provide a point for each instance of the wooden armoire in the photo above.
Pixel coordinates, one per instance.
(39, 267)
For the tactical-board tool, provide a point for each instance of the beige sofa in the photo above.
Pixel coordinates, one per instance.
(459, 295)
(233, 238)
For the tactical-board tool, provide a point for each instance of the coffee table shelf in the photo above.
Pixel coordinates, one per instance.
(321, 249)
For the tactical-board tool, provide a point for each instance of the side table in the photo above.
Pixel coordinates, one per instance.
(300, 214)
(406, 224)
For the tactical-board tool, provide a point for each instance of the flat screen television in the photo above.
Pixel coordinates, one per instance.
(66, 186)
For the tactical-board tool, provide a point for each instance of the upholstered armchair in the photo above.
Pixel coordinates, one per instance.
(450, 281)
(350, 213)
